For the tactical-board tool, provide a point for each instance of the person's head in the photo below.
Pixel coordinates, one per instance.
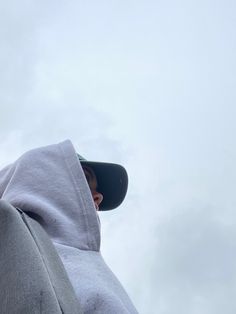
(92, 182)
(111, 181)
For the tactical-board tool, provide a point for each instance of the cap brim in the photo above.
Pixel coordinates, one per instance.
(112, 182)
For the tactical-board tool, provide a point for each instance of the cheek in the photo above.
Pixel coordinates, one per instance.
(93, 185)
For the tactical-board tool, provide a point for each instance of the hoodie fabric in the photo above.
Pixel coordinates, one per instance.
(49, 184)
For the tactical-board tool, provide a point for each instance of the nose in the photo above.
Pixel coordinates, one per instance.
(97, 198)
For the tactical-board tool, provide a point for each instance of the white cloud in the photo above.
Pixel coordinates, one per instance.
(150, 85)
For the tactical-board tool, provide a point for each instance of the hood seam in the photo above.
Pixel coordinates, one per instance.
(77, 188)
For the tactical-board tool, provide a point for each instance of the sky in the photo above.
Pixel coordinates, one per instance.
(150, 85)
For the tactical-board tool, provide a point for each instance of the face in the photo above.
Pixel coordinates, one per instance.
(92, 182)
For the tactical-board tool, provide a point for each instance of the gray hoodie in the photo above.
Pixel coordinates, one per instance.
(49, 182)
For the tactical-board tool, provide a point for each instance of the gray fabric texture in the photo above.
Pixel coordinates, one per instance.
(32, 276)
(49, 183)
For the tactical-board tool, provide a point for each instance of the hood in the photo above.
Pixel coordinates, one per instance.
(48, 183)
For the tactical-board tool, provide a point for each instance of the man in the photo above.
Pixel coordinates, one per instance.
(64, 192)
(92, 182)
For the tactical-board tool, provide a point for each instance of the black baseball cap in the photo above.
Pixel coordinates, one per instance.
(112, 182)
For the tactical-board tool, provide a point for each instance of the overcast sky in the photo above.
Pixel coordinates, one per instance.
(151, 85)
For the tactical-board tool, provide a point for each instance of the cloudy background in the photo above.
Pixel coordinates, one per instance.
(151, 85)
